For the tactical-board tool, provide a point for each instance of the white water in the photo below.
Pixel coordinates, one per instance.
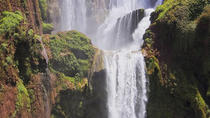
(124, 62)
(109, 35)
(73, 15)
(126, 81)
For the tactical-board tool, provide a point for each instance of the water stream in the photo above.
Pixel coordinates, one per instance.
(124, 62)
(73, 15)
(126, 81)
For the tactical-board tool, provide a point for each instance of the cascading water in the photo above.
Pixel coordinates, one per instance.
(126, 81)
(73, 15)
(124, 62)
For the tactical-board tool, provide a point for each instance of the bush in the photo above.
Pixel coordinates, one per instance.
(9, 21)
(72, 53)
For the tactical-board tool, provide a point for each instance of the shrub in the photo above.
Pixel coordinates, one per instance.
(72, 53)
(9, 21)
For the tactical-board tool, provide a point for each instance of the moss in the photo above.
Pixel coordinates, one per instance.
(47, 28)
(9, 60)
(163, 9)
(23, 99)
(72, 54)
(179, 34)
(153, 67)
(9, 21)
(195, 7)
(69, 100)
(67, 64)
(64, 82)
(29, 59)
(193, 96)
(31, 95)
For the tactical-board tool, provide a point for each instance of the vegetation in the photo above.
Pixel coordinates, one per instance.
(72, 54)
(22, 97)
(43, 7)
(47, 28)
(20, 59)
(9, 21)
(175, 60)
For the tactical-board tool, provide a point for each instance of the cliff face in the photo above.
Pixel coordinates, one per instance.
(31, 84)
(21, 59)
(30, 8)
(177, 57)
(79, 76)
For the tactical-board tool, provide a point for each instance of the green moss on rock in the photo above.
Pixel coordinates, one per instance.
(180, 38)
(23, 99)
(9, 21)
(72, 53)
(47, 28)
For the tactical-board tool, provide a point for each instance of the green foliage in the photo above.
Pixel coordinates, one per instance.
(72, 53)
(163, 9)
(69, 100)
(195, 7)
(180, 33)
(9, 60)
(23, 99)
(153, 67)
(9, 21)
(67, 64)
(31, 32)
(29, 59)
(47, 28)
(4, 46)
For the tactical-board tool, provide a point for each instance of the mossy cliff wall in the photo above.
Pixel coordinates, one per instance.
(20, 59)
(79, 75)
(30, 8)
(176, 49)
(27, 88)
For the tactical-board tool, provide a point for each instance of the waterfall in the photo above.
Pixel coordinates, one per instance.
(121, 43)
(124, 62)
(73, 15)
(126, 81)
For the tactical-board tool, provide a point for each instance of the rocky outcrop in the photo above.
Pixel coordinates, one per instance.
(97, 83)
(21, 59)
(177, 69)
(79, 76)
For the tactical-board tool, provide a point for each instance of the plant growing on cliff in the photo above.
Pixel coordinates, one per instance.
(72, 53)
(47, 28)
(23, 99)
(9, 21)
